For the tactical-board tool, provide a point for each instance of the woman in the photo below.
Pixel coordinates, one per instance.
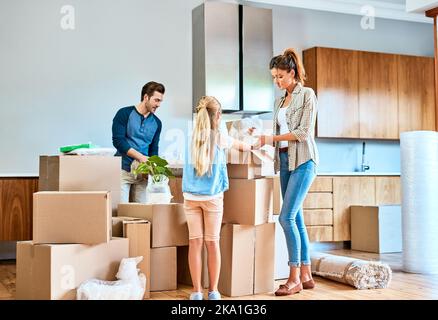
(205, 179)
(296, 157)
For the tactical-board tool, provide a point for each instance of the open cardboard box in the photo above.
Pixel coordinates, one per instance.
(250, 164)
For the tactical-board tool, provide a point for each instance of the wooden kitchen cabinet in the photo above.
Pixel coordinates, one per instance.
(416, 93)
(388, 190)
(346, 192)
(318, 217)
(318, 210)
(16, 203)
(318, 200)
(320, 233)
(326, 208)
(317, 207)
(330, 72)
(378, 114)
(370, 95)
(360, 191)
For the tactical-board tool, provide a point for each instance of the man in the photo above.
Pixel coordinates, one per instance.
(136, 133)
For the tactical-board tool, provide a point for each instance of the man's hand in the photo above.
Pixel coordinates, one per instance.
(142, 158)
(137, 155)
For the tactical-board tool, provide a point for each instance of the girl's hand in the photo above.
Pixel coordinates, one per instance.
(251, 130)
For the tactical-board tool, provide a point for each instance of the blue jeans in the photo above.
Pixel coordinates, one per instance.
(294, 187)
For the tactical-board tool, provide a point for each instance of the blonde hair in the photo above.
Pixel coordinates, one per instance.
(288, 61)
(204, 135)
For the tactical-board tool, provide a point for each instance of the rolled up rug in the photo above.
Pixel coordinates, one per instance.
(360, 274)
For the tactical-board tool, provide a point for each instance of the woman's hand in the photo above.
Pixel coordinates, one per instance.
(263, 139)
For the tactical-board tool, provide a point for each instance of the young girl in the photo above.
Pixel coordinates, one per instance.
(205, 179)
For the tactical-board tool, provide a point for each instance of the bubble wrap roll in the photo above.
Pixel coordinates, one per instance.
(419, 183)
(358, 273)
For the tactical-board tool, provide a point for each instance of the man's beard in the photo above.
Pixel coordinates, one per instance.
(150, 108)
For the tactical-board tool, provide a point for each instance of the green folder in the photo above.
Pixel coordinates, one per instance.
(65, 149)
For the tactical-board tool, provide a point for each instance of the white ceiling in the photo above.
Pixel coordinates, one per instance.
(403, 2)
(420, 5)
(388, 9)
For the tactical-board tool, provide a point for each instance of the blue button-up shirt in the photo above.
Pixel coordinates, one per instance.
(132, 130)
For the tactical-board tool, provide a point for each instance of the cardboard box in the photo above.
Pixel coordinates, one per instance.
(55, 271)
(183, 270)
(175, 185)
(237, 266)
(247, 254)
(250, 164)
(71, 217)
(244, 171)
(276, 195)
(264, 258)
(118, 225)
(81, 173)
(169, 224)
(139, 234)
(257, 205)
(376, 228)
(163, 269)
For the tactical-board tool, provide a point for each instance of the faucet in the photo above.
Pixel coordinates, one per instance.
(363, 166)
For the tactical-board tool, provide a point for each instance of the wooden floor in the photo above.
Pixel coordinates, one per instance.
(403, 286)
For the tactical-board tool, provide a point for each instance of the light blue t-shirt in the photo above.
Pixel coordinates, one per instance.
(208, 185)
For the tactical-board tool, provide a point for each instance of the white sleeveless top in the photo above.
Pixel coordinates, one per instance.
(281, 120)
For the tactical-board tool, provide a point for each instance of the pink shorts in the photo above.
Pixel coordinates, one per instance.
(204, 218)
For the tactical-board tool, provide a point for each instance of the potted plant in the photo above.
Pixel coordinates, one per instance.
(158, 190)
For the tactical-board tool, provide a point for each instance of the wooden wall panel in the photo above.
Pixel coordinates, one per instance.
(16, 203)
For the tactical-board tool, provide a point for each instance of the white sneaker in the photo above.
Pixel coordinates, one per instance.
(196, 296)
(214, 295)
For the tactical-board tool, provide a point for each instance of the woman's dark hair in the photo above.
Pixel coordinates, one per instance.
(150, 87)
(288, 61)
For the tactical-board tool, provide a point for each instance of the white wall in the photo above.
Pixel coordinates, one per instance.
(62, 87)
(302, 29)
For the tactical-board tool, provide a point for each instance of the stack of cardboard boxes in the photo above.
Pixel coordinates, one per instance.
(247, 234)
(72, 239)
(168, 230)
(138, 232)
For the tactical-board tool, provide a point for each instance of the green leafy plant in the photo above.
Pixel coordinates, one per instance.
(156, 167)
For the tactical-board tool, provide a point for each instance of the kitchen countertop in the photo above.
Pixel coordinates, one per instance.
(177, 171)
(18, 175)
(358, 173)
